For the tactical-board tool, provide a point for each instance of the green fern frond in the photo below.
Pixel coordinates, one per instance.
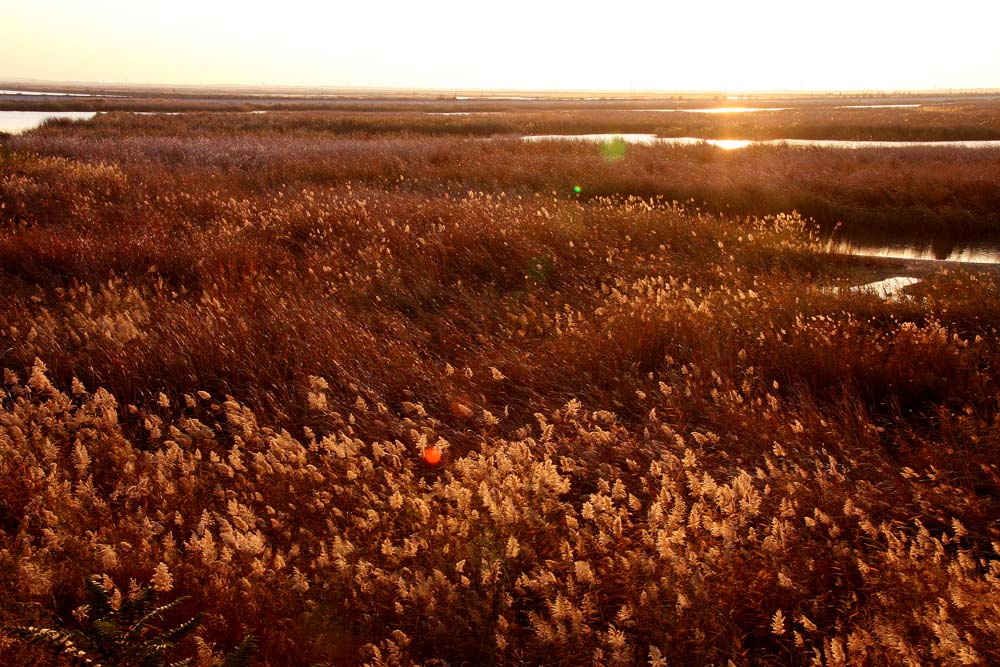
(242, 655)
(176, 634)
(147, 655)
(60, 643)
(98, 597)
(124, 637)
(137, 627)
(104, 634)
(136, 605)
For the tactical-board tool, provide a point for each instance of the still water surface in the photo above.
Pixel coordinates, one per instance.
(939, 250)
(890, 288)
(16, 122)
(732, 144)
(733, 109)
(878, 106)
(35, 93)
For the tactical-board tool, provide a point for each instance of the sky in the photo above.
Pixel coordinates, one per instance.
(514, 44)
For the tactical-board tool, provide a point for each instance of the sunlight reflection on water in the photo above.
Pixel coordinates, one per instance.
(878, 106)
(733, 109)
(732, 144)
(939, 251)
(887, 289)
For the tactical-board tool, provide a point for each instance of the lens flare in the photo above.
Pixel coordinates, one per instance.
(614, 149)
(432, 454)
(577, 189)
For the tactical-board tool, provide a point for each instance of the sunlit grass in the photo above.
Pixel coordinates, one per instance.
(393, 399)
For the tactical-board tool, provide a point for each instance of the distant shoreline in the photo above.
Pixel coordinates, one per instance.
(341, 93)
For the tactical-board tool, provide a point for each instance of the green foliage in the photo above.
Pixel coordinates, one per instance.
(126, 633)
(242, 655)
(60, 643)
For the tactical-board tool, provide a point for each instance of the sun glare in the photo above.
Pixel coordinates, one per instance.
(734, 109)
(776, 44)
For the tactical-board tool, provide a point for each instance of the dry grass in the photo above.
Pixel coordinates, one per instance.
(668, 436)
(936, 118)
(918, 191)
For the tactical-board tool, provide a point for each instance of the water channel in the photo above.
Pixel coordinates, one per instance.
(15, 122)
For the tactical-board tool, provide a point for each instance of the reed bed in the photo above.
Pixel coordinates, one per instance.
(934, 119)
(916, 191)
(666, 436)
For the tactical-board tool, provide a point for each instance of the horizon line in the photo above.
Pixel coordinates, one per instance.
(273, 88)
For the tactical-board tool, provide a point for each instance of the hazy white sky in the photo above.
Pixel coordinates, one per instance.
(521, 44)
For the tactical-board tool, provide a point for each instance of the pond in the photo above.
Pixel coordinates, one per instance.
(15, 122)
(732, 109)
(35, 93)
(878, 106)
(732, 144)
(939, 250)
(890, 288)
(722, 110)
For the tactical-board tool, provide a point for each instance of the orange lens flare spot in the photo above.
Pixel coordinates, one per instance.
(432, 455)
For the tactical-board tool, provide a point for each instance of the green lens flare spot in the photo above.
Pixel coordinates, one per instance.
(613, 150)
(577, 189)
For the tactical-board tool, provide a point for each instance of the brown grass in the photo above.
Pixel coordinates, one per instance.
(669, 436)
(937, 118)
(916, 191)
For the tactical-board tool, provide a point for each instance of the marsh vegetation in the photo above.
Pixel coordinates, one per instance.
(670, 432)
